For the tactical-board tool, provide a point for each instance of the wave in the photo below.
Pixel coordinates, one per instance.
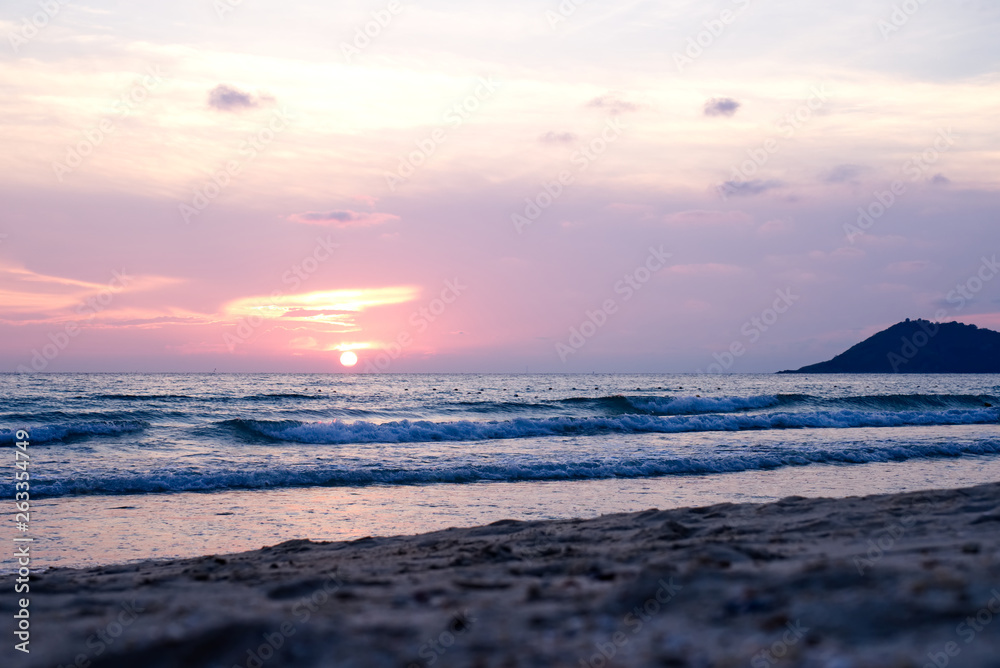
(139, 397)
(508, 471)
(695, 404)
(620, 404)
(252, 397)
(917, 401)
(406, 431)
(688, 405)
(692, 405)
(612, 405)
(53, 433)
(285, 395)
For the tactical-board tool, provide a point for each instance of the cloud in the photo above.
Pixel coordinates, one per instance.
(702, 217)
(557, 137)
(721, 106)
(706, 269)
(304, 342)
(940, 180)
(46, 295)
(227, 98)
(775, 226)
(891, 241)
(342, 218)
(891, 288)
(843, 174)
(632, 211)
(847, 253)
(748, 188)
(326, 308)
(907, 267)
(146, 318)
(613, 103)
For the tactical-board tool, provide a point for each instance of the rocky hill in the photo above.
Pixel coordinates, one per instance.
(919, 346)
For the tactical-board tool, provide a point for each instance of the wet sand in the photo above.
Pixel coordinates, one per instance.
(893, 580)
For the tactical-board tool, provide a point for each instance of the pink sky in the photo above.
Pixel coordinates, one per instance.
(477, 188)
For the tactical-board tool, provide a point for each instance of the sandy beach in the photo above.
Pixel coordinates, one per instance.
(893, 580)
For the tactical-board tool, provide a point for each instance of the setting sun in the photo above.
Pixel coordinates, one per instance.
(348, 358)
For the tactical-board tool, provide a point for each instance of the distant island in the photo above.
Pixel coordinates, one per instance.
(919, 346)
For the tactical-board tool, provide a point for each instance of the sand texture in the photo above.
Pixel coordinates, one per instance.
(886, 581)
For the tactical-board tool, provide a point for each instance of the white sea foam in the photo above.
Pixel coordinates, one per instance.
(514, 469)
(406, 431)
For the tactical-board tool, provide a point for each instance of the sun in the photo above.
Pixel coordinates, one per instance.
(348, 358)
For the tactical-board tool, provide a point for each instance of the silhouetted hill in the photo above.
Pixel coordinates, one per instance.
(919, 346)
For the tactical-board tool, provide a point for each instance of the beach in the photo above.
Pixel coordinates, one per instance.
(890, 580)
(130, 467)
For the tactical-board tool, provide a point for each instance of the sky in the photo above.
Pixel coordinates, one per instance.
(574, 186)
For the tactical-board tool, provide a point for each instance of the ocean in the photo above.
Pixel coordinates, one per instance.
(137, 466)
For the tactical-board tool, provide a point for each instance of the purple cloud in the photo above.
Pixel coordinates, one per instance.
(721, 106)
(227, 98)
(557, 137)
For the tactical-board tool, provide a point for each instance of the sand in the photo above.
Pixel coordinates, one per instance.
(893, 580)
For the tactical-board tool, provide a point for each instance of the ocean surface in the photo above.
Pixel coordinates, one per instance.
(129, 466)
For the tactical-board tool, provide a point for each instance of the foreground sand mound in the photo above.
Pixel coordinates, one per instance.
(895, 580)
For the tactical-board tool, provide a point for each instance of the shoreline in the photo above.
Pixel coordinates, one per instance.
(876, 580)
(86, 531)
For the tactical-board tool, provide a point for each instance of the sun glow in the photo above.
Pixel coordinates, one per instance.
(348, 358)
(334, 307)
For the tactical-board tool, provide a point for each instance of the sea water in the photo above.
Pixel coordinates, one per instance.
(134, 466)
